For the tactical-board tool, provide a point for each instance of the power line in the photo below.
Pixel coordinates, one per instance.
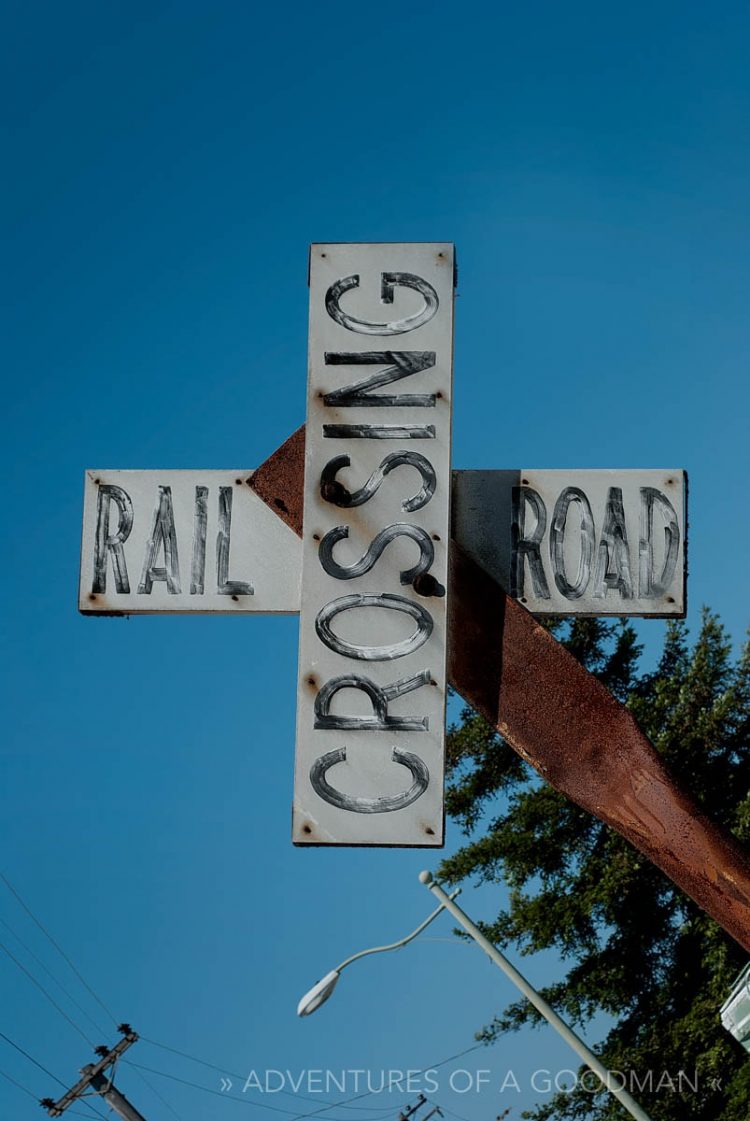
(206, 1089)
(326, 1107)
(51, 999)
(158, 1094)
(44, 1070)
(31, 977)
(444, 1109)
(50, 974)
(299, 1117)
(234, 1074)
(358, 1097)
(66, 958)
(32, 1060)
(233, 1097)
(57, 946)
(18, 1084)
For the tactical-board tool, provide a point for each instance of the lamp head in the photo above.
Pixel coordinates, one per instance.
(318, 994)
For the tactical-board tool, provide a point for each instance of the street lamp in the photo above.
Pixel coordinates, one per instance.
(320, 992)
(535, 998)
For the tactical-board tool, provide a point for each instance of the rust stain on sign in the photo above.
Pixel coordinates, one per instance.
(563, 722)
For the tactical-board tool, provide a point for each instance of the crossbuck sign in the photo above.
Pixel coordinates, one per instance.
(370, 576)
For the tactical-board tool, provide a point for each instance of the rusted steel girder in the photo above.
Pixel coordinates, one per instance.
(562, 721)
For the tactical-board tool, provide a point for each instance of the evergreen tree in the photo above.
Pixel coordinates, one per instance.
(635, 947)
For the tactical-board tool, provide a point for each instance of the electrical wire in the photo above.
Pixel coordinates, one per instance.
(157, 1093)
(299, 1117)
(234, 1074)
(51, 999)
(31, 1059)
(206, 1089)
(444, 1109)
(430, 1066)
(59, 948)
(26, 1090)
(380, 1116)
(326, 1108)
(44, 1070)
(50, 974)
(77, 973)
(18, 1084)
(31, 977)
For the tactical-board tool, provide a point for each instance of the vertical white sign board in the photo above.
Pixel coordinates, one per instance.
(372, 670)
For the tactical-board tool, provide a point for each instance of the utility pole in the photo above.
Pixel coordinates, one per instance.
(95, 1081)
(405, 1114)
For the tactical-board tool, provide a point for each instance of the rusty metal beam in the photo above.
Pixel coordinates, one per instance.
(563, 722)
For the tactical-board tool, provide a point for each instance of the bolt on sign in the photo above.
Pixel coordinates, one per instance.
(183, 541)
(578, 542)
(376, 525)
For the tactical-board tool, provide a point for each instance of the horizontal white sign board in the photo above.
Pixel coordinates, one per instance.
(372, 668)
(183, 541)
(579, 542)
(482, 517)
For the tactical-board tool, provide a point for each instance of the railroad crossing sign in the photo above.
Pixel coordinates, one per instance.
(227, 553)
(372, 652)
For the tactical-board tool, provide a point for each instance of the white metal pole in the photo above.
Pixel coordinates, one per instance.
(536, 999)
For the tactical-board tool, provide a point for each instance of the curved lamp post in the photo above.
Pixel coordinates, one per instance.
(321, 992)
(535, 998)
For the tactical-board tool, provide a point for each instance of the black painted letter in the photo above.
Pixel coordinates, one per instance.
(398, 364)
(557, 543)
(527, 547)
(198, 568)
(162, 535)
(384, 601)
(389, 281)
(384, 804)
(104, 542)
(613, 564)
(374, 551)
(379, 696)
(333, 491)
(225, 586)
(649, 586)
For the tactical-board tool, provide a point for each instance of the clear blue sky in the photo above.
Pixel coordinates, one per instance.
(167, 166)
